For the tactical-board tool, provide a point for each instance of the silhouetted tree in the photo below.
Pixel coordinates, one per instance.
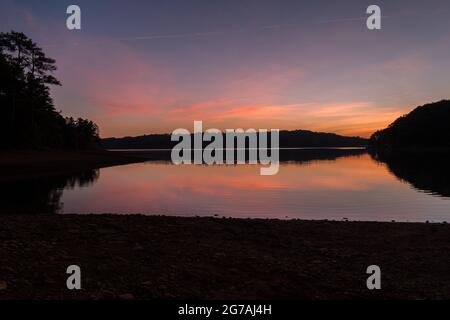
(80, 133)
(28, 116)
(424, 127)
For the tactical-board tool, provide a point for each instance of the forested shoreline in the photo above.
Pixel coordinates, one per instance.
(28, 117)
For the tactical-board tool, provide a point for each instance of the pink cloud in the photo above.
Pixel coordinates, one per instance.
(116, 79)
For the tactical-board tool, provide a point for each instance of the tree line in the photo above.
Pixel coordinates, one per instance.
(427, 126)
(28, 118)
(288, 139)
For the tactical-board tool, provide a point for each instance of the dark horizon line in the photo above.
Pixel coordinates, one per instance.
(281, 130)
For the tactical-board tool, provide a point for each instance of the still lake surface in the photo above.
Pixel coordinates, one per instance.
(313, 184)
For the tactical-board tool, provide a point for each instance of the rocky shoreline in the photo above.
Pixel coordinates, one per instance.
(157, 257)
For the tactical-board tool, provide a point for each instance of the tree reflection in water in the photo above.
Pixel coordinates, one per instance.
(42, 194)
(425, 171)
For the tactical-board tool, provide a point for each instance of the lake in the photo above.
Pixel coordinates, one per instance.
(333, 184)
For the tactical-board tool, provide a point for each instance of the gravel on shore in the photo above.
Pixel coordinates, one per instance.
(157, 257)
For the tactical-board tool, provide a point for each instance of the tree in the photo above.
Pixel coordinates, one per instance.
(28, 115)
(426, 126)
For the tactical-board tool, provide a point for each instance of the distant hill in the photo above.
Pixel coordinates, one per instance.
(288, 139)
(427, 126)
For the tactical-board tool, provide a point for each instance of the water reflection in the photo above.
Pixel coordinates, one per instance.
(300, 155)
(311, 184)
(42, 194)
(427, 172)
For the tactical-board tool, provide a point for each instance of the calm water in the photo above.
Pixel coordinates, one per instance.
(351, 185)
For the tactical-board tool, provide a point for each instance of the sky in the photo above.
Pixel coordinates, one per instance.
(141, 67)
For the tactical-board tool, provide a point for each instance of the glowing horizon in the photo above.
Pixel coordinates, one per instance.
(241, 64)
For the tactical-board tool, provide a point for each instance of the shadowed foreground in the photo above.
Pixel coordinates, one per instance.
(138, 257)
(23, 164)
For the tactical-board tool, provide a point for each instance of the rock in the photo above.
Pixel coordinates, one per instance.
(147, 283)
(105, 294)
(162, 288)
(3, 285)
(126, 296)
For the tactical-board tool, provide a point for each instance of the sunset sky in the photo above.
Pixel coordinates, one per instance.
(140, 67)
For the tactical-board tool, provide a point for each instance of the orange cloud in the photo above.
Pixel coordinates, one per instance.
(353, 118)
